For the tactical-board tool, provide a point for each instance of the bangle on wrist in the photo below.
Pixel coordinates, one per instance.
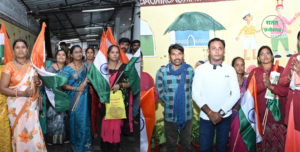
(209, 112)
(41, 83)
(121, 85)
(16, 93)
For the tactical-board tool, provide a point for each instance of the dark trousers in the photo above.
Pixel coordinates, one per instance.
(207, 133)
(172, 136)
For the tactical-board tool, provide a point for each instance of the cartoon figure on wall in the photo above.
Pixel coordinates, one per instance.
(249, 40)
(282, 36)
(193, 29)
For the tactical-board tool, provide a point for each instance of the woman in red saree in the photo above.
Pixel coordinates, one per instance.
(90, 54)
(293, 103)
(275, 131)
(19, 84)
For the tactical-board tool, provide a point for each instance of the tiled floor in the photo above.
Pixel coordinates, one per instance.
(128, 143)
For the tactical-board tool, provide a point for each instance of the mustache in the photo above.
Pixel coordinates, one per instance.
(177, 60)
(123, 48)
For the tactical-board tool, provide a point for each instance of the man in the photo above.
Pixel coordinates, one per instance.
(215, 91)
(63, 46)
(249, 40)
(135, 46)
(281, 36)
(124, 44)
(174, 87)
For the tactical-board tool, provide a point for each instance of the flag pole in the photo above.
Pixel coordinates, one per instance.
(237, 135)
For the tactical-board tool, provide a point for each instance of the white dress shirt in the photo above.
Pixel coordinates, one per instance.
(218, 88)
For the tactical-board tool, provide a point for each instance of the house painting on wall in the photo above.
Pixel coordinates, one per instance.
(193, 29)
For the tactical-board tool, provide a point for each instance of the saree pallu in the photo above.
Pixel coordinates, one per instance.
(95, 110)
(5, 142)
(236, 142)
(27, 134)
(79, 110)
(112, 129)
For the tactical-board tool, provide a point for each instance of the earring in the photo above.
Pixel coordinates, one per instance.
(258, 61)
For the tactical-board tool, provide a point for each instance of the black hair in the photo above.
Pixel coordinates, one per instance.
(57, 54)
(63, 43)
(260, 49)
(110, 48)
(72, 49)
(298, 37)
(216, 39)
(90, 48)
(19, 40)
(136, 41)
(124, 39)
(176, 47)
(233, 61)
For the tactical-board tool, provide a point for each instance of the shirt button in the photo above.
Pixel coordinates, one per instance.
(293, 92)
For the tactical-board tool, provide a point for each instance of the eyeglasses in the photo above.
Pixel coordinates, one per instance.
(263, 54)
(78, 52)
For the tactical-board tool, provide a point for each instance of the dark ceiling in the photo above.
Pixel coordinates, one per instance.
(67, 21)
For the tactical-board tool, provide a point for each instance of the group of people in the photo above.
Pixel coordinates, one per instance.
(33, 124)
(218, 88)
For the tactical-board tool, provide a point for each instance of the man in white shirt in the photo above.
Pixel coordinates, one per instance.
(215, 91)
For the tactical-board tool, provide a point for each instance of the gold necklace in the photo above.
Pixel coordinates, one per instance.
(76, 66)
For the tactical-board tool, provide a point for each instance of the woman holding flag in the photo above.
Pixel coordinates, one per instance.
(57, 122)
(90, 54)
(111, 129)
(236, 142)
(80, 103)
(20, 84)
(274, 130)
(43, 111)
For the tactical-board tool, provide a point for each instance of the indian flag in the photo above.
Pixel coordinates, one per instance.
(110, 40)
(250, 127)
(98, 73)
(51, 81)
(6, 54)
(147, 120)
(132, 71)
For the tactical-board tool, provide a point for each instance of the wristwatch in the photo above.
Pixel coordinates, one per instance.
(222, 112)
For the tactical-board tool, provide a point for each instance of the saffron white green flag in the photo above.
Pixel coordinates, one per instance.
(132, 71)
(98, 73)
(51, 81)
(250, 126)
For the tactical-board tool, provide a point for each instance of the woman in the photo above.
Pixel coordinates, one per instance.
(236, 141)
(111, 129)
(57, 122)
(43, 112)
(275, 131)
(293, 103)
(5, 144)
(90, 53)
(21, 86)
(80, 102)
(68, 57)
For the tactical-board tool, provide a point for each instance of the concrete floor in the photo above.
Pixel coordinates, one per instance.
(128, 143)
